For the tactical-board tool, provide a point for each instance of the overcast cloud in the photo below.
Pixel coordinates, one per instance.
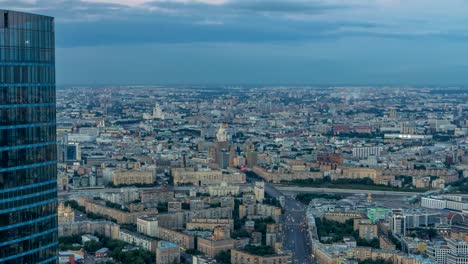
(258, 41)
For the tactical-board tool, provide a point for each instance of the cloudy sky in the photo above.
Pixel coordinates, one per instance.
(345, 42)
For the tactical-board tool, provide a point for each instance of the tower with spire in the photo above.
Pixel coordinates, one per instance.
(222, 146)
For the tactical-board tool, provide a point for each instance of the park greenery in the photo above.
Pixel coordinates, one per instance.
(121, 252)
(305, 198)
(332, 231)
(423, 233)
(75, 206)
(116, 206)
(235, 215)
(224, 257)
(461, 186)
(270, 200)
(162, 207)
(259, 250)
(376, 261)
(241, 233)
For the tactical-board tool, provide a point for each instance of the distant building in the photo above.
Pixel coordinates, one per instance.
(444, 202)
(203, 260)
(365, 152)
(152, 198)
(185, 241)
(259, 190)
(167, 253)
(88, 238)
(129, 177)
(241, 257)
(221, 151)
(453, 251)
(147, 225)
(251, 158)
(398, 224)
(366, 229)
(204, 177)
(210, 224)
(223, 190)
(65, 214)
(220, 241)
(103, 252)
(138, 240)
(458, 251)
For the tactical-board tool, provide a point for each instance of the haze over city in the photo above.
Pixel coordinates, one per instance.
(352, 42)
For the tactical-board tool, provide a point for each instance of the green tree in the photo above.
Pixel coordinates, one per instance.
(92, 246)
(224, 257)
(259, 250)
(376, 261)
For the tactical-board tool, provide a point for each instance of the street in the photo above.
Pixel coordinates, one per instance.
(295, 235)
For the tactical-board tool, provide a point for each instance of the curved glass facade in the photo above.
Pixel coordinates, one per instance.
(28, 172)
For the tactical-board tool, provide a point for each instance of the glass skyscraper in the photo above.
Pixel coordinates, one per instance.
(28, 184)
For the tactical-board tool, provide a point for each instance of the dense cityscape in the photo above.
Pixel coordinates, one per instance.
(263, 175)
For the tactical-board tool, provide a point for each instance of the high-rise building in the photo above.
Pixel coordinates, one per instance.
(28, 152)
(398, 225)
(222, 147)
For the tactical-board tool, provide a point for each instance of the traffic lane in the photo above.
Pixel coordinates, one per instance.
(296, 238)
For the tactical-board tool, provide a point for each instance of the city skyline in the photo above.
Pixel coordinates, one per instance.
(328, 42)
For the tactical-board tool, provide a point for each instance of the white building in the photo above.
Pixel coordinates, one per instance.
(438, 252)
(398, 224)
(259, 191)
(223, 190)
(441, 202)
(147, 225)
(364, 152)
(458, 253)
(138, 240)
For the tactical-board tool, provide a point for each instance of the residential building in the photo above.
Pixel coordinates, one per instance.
(185, 241)
(241, 257)
(130, 177)
(147, 225)
(138, 240)
(167, 253)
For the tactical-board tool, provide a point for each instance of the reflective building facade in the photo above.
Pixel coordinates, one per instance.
(28, 185)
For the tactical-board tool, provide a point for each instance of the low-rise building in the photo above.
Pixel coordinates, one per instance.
(138, 240)
(185, 241)
(65, 214)
(104, 228)
(441, 202)
(220, 241)
(118, 215)
(152, 198)
(130, 177)
(209, 224)
(241, 257)
(366, 229)
(204, 177)
(167, 253)
(223, 190)
(341, 217)
(260, 210)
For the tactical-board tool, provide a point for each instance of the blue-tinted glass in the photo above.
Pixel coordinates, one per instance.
(28, 188)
